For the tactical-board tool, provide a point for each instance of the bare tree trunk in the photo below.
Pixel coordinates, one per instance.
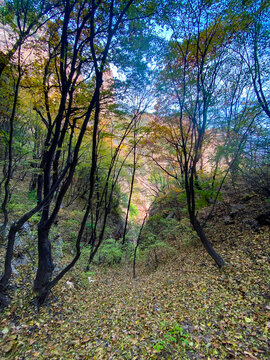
(129, 199)
(43, 283)
(45, 264)
(131, 185)
(15, 227)
(136, 247)
(10, 147)
(5, 161)
(9, 254)
(206, 243)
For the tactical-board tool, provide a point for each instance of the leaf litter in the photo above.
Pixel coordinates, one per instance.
(222, 314)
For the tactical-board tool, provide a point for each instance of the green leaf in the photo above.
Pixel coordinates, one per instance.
(5, 330)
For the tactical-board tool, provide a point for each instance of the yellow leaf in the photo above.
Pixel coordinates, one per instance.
(8, 347)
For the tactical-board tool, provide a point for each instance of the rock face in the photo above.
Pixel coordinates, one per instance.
(250, 213)
(23, 242)
(19, 259)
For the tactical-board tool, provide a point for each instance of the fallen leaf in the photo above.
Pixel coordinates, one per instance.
(250, 356)
(5, 330)
(8, 347)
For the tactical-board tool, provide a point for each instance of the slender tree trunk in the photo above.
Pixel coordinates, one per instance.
(189, 187)
(45, 263)
(5, 161)
(136, 247)
(95, 247)
(131, 186)
(9, 254)
(129, 203)
(206, 243)
(43, 283)
(108, 202)
(15, 227)
(10, 148)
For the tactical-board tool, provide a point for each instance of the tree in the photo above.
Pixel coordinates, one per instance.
(8, 164)
(251, 46)
(85, 36)
(22, 20)
(191, 78)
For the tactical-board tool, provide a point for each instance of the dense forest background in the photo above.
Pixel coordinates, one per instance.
(135, 141)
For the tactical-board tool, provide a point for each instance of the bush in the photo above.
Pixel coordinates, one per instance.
(157, 253)
(171, 203)
(163, 237)
(170, 231)
(110, 253)
(174, 336)
(22, 201)
(188, 236)
(87, 277)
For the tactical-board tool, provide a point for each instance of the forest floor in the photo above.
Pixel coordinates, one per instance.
(186, 309)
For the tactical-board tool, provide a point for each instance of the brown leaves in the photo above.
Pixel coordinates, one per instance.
(249, 356)
(8, 346)
(124, 319)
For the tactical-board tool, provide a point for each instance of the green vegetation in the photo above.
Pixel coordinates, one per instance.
(174, 335)
(223, 314)
(110, 253)
(134, 179)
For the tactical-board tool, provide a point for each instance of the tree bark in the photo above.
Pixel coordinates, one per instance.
(10, 146)
(136, 247)
(129, 202)
(45, 263)
(15, 227)
(9, 254)
(206, 243)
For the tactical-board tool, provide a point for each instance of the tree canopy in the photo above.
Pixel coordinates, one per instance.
(105, 103)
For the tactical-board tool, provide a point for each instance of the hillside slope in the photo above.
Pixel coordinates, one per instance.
(187, 309)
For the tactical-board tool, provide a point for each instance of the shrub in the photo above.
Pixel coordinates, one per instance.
(87, 277)
(110, 253)
(170, 231)
(173, 335)
(157, 253)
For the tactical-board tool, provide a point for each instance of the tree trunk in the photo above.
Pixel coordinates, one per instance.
(9, 254)
(136, 247)
(10, 148)
(129, 203)
(45, 263)
(4, 301)
(131, 185)
(206, 243)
